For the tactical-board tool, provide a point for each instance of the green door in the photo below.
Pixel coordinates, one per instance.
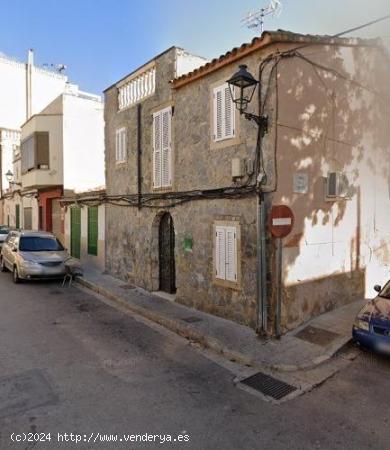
(93, 230)
(75, 231)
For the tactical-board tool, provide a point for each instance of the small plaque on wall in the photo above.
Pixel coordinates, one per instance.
(188, 244)
(301, 183)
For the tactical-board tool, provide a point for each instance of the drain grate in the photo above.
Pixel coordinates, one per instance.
(192, 319)
(269, 386)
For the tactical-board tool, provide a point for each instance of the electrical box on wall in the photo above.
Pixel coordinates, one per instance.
(238, 168)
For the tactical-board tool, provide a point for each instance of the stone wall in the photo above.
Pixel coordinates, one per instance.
(132, 234)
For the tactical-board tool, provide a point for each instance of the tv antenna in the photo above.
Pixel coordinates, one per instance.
(255, 19)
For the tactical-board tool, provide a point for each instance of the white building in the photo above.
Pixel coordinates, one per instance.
(62, 151)
(25, 89)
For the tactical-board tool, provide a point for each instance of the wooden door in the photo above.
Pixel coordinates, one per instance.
(167, 255)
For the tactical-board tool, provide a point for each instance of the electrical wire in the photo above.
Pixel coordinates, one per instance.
(172, 199)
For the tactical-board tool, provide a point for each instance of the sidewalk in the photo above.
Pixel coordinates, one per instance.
(304, 348)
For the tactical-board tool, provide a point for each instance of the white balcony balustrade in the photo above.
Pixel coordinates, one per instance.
(137, 89)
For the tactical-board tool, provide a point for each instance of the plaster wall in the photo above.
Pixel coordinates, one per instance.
(95, 261)
(53, 124)
(338, 248)
(46, 85)
(83, 141)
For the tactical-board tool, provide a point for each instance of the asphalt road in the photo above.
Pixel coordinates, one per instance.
(72, 364)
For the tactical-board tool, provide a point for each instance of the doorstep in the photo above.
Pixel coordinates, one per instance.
(310, 345)
(162, 294)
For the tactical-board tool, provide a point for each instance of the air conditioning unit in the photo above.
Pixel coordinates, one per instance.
(337, 185)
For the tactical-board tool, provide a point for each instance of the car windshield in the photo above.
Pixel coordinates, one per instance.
(39, 244)
(385, 292)
(3, 231)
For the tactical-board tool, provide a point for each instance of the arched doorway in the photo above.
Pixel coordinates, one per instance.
(166, 245)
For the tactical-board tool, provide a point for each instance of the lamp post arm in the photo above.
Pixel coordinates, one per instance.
(261, 121)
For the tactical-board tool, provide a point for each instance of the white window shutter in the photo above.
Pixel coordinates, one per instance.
(120, 145)
(218, 114)
(220, 258)
(117, 146)
(123, 145)
(229, 113)
(224, 113)
(231, 254)
(157, 150)
(166, 147)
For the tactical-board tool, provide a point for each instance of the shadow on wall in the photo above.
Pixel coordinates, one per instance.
(331, 120)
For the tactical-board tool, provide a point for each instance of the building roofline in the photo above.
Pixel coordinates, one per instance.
(92, 195)
(142, 66)
(267, 39)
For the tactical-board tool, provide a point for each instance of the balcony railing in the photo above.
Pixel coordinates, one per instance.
(137, 89)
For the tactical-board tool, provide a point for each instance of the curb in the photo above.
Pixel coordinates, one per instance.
(192, 334)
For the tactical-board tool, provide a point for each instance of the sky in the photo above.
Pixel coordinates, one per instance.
(100, 41)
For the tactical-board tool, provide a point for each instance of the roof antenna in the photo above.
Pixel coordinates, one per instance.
(255, 19)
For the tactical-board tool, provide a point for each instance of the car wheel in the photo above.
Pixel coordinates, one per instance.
(2, 265)
(15, 274)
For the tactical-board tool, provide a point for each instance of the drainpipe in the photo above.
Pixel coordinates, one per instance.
(262, 304)
(139, 153)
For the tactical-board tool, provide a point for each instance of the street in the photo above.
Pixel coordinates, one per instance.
(82, 367)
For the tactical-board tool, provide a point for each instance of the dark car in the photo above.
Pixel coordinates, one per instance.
(371, 328)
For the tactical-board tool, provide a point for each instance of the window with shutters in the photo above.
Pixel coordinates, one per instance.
(162, 149)
(35, 151)
(226, 253)
(121, 145)
(223, 114)
(93, 230)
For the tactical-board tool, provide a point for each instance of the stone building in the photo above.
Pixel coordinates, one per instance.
(184, 172)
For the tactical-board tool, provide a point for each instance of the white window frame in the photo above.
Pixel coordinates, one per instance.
(224, 114)
(121, 145)
(226, 253)
(162, 148)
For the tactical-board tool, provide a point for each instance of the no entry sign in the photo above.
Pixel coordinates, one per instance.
(281, 221)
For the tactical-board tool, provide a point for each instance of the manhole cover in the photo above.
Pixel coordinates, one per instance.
(269, 386)
(22, 392)
(192, 319)
(317, 336)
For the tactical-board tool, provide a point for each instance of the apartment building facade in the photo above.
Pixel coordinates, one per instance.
(62, 151)
(25, 89)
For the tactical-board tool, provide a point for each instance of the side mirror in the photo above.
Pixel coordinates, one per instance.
(377, 288)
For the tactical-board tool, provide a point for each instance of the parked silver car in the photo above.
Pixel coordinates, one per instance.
(30, 255)
(3, 234)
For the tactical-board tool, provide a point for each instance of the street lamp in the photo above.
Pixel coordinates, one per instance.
(10, 176)
(242, 86)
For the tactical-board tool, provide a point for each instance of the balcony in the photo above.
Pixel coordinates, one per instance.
(137, 88)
